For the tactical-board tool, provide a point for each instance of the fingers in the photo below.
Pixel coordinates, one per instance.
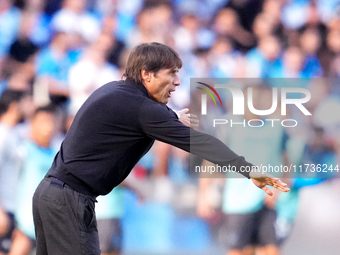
(284, 189)
(193, 124)
(190, 120)
(262, 181)
(271, 181)
(280, 186)
(193, 120)
(267, 190)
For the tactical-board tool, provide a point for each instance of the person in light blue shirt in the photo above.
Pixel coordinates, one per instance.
(38, 155)
(261, 58)
(10, 163)
(53, 64)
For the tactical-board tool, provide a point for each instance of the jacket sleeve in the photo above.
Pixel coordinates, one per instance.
(160, 123)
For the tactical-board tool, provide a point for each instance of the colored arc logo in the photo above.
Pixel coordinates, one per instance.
(209, 93)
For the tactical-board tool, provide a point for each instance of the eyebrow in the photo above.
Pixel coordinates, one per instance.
(173, 70)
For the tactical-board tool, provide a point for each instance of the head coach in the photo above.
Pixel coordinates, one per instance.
(112, 130)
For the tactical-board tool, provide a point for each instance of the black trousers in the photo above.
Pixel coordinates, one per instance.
(65, 221)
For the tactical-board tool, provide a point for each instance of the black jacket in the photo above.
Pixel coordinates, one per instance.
(114, 128)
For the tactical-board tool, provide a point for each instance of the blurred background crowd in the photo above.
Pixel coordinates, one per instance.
(55, 53)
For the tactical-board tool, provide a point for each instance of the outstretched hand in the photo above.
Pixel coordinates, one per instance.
(187, 119)
(261, 180)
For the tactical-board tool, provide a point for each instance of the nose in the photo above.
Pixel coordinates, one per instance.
(177, 81)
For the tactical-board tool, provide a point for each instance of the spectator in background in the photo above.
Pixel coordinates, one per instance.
(73, 16)
(273, 9)
(9, 25)
(246, 10)
(224, 59)
(10, 164)
(116, 51)
(91, 71)
(333, 49)
(20, 80)
(191, 34)
(37, 26)
(37, 157)
(264, 25)
(154, 24)
(186, 35)
(291, 65)
(227, 24)
(310, 42)
(125, 11)
(21, 58)
(261, 58)
(23, 49)
(53, 64)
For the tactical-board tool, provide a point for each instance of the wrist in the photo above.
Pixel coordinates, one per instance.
(254, 173)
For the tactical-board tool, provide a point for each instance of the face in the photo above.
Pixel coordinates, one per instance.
(160, 85)
(42, 127)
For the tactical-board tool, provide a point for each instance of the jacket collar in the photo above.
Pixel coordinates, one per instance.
(137, 85)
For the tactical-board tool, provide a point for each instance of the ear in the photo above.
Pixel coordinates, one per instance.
(146, 75)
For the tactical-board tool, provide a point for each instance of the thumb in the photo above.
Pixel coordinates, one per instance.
(185, 110)
(267, 190)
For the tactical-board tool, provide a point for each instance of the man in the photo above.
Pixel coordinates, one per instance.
(113, 129)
